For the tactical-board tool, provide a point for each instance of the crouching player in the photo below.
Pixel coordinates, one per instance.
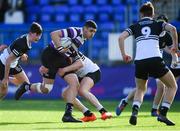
(88, 76)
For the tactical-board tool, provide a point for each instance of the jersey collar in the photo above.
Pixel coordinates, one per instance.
(28, 42)
(147, 18)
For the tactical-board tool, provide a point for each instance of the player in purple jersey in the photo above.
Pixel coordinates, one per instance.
(62, 52)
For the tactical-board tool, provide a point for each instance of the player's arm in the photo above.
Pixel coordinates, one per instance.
(2, 47)
(172, 30)
(121, 40)
(73, 67)
(55, 36)
(9, 60)
(173, 54)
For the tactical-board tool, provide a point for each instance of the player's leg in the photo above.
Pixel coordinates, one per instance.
(88, 115)
(170, 91)
(3, 91)
(72, 92)
(124, 102)
(138, 99)
(158, 97)
(45, 87)
(18, 79)
(86, 84)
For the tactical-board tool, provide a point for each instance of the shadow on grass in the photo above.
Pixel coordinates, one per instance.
(59, 105)
(24, 123)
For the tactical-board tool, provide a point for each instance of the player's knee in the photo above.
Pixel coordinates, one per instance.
(74, 85)
(81, 92)
(63, 94)
(3, 92)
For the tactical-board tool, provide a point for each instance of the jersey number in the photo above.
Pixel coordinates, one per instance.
(146, 31)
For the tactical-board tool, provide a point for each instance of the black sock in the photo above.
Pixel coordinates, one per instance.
(102, 110)
(68, 110)
(27, 86)
(153, 110)
(87, 113)
(163, 110)
(135, 109)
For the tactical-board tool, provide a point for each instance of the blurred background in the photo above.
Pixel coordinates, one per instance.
(112, 17)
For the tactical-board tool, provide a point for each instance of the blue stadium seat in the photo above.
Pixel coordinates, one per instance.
(144, 1)
(61, 9)
(103, 17)
(91, 9)
(88, 16)
(106, 9)
(32, 17)
(95, 53)
(48, 9)
(97, 43)
(102, 2)
(29, 3)
(87, 2)
(131, 2)
(76, 9)
(116, 2)
(73, 2)
(45, 18)
(43, 2)
(108, 26)
(104, 34)
(119, 9)
(119, 17)
(134, 10)
(75, 17)
(60, 17)
(33, 9)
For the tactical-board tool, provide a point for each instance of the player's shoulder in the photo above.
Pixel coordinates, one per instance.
(20, 42)
(21, 39)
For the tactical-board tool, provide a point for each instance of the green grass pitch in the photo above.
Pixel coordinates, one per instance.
(45, 115)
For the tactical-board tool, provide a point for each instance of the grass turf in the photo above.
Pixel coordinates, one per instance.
(45, 115)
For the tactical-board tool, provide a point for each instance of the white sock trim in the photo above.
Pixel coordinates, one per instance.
(155, 106)
(138, 103)
(166, 104)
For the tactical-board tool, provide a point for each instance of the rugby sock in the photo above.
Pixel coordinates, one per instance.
(102, 110)
(85, 109)
(87, 113)
(135, 109)
(164, 108)
(26, 86)
(68, 110)
(126, 99)
(155, 106)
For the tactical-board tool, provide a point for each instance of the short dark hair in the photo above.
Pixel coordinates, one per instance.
(36, 28)
(91, 23)
(147, 9)
(163, 18)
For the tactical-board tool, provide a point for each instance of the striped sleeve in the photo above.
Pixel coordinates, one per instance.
(18, 46)
(130, 30)
(69, 32)
(163, 25)
(15, 52)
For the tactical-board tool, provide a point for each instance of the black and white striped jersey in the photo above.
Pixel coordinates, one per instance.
(88, 66)
(20, 46)
(146, 33)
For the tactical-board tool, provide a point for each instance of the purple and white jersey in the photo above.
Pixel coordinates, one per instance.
(76, 36)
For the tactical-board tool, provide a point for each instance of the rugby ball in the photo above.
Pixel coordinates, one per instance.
(65, 42)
